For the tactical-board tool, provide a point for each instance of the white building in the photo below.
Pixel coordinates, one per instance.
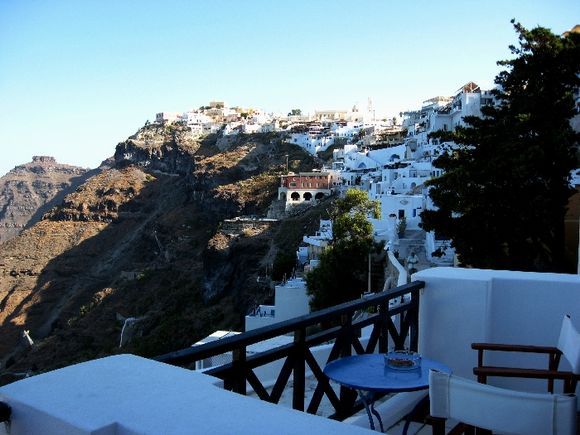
(196, 118)
(162, 117)
(446, 113)
(251, 128)
(313, 143)
(290, 300)
(401, 206)
(309, 254)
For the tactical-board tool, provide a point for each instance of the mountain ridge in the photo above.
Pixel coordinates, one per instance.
(142, 240)
(31, 189)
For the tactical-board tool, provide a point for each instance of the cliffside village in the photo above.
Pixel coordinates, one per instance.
(391, 159)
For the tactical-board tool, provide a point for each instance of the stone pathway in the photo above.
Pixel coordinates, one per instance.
(414, 240)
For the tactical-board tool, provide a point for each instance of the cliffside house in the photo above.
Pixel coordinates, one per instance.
(306, 187)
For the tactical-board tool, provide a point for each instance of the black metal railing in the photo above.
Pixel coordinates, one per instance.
(394, 325)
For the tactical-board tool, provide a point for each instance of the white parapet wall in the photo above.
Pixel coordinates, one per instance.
(128, 395)
(461, 306)
(402, 276)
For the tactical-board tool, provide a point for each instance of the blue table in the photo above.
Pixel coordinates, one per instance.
(368, 374)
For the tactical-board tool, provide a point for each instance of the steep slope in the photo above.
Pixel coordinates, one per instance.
(29, 190)
(141, 241)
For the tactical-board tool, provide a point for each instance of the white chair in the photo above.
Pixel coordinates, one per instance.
(498, 409)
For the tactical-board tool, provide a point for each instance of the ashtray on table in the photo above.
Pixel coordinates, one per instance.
(402, 360)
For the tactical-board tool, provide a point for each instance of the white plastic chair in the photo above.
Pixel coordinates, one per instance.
(498, 409)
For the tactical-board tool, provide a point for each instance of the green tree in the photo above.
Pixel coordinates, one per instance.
(284, 264)
(341, 274)
(503, 194)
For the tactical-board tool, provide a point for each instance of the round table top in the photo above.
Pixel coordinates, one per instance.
(368, 372)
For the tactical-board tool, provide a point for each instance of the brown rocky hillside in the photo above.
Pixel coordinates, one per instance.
(29, 190)
(142, 241)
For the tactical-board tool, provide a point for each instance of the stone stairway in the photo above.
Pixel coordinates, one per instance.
(414, 240)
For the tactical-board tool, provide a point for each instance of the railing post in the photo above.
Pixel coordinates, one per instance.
(414, 324)
(299, 369)
(347, 395)
(346, 334)
(337, 323)
(239, 372)
(383, 332)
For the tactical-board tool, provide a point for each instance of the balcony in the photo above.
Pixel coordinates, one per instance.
(447, 310)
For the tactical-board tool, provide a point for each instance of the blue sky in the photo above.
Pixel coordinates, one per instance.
(77, 77)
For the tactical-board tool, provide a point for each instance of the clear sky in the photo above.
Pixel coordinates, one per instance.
(79, 76)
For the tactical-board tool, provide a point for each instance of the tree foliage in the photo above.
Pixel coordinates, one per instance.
(341, 274)
(283, 266)
(295, 112)
(503, 195)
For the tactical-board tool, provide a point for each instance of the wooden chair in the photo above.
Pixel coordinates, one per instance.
(495, 409)
(568, 346)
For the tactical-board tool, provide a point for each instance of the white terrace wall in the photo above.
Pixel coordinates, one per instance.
(128, 395)
(462, 306)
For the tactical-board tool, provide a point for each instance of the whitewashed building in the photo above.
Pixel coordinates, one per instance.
(290, 300)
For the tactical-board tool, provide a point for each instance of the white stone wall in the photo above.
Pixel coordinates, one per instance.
(461, 306)
(127, 395)
(291, 300)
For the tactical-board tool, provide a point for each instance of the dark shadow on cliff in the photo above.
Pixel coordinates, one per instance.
(75, 182)
(147, 264)
(69, 287)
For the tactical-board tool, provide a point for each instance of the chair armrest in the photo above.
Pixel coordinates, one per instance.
(523, 373)
(515, 348)
(570, 379)
(553, 353)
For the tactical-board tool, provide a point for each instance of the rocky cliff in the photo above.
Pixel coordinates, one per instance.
(29, 190)
(142, 241)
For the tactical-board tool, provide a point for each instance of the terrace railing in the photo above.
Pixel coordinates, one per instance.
(393, 325)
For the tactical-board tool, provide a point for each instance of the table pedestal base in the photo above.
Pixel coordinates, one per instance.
(367, 398)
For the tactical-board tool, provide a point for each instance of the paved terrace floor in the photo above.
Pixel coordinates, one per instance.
(360, 419)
